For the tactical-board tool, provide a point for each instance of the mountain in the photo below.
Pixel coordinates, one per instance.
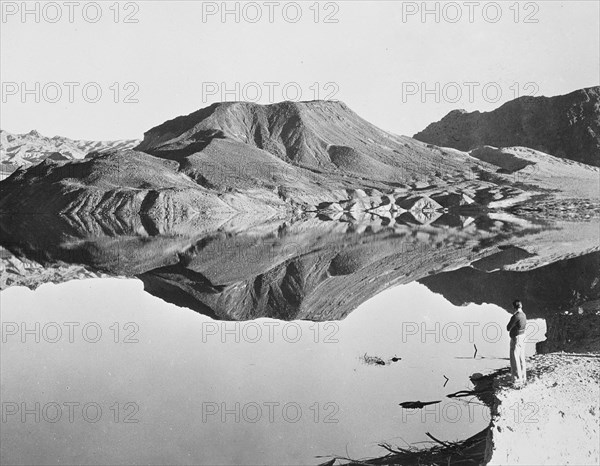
(235, 158)
(566, 126)
(322, 136)
(273, 161)
(24, 150)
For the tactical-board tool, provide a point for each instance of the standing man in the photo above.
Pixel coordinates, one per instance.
(516, 329)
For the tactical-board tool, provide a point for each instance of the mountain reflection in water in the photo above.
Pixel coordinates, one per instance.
(322, 270)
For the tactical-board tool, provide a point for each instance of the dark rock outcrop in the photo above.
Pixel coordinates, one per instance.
(577, 331)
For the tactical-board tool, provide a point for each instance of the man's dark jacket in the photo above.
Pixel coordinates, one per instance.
(516, 325)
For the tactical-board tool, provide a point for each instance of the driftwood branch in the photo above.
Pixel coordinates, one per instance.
(441, 442)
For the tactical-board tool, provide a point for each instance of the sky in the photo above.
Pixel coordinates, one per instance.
(112, 70)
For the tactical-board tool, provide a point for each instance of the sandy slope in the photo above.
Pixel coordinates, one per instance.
(565, 178)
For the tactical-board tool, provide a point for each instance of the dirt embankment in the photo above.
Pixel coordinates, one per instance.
(555, 418)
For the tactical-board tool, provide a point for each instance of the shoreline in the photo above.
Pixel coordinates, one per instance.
(554, 419)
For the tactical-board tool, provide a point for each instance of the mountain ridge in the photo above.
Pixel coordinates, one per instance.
(566, 126)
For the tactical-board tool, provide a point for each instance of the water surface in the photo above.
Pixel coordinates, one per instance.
(185, 369)
(249, 347)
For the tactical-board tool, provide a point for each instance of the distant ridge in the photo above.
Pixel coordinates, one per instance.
(566, 126)
(24, 150)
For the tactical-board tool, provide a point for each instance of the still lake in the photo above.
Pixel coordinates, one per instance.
(161, 384)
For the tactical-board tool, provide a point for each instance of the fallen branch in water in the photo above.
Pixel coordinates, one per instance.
(465, 453)
(445, 444)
